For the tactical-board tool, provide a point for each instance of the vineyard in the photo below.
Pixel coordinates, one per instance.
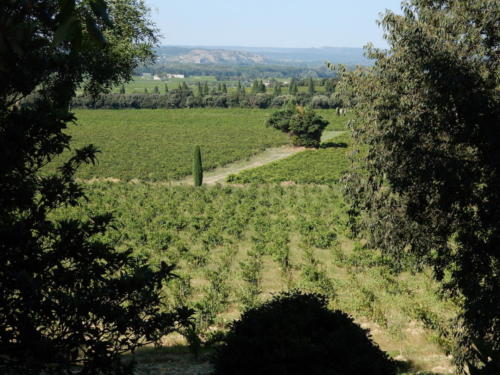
(322, 166)
(219, 208)
(282, 226)
(157, 145)
(236, 246)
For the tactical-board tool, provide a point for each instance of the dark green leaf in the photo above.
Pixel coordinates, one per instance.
(100, 9)
(94, 30)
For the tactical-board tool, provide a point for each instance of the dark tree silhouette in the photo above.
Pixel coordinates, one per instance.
(66, 298)
(427, 126)
(295, 333)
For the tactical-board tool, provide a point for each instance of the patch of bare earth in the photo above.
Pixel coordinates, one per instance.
(219, 175)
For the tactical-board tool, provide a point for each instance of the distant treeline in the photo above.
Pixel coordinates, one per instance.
(202, 96)
(238, 72)
(186, 99)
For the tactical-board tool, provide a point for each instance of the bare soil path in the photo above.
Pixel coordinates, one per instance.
(219, 175)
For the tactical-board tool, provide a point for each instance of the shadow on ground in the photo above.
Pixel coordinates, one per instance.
(333, 145)
(409, 367)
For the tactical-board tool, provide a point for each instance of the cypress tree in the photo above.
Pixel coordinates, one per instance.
(219, 88)
(224, 88)
(205, 89)
(255, 87)
(293, 89)
(166, 88)
(197, 167)
(311, 86)
(145, 90)
(277, 89)
(185, 86)
(262, 87)
(156, 90)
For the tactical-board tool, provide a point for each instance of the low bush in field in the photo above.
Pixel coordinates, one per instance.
(295, 333)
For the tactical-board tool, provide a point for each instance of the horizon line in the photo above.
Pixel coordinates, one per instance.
(242, 46)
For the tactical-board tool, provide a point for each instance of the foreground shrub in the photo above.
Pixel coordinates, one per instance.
(295, 333)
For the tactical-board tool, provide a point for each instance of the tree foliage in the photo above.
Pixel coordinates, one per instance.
(304, 125)
(66, 298)
(197, 167)
(426, 184)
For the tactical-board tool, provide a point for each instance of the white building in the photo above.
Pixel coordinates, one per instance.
(175, 75)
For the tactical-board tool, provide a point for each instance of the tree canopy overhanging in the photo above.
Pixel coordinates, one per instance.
(425, 181)
(66, 298)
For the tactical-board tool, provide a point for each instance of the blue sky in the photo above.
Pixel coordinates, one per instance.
(271, 23)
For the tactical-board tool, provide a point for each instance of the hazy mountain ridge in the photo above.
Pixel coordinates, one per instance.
(219, 56)
(238, 55)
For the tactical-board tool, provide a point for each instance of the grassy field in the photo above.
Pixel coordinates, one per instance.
(322, 166)
(235, 246)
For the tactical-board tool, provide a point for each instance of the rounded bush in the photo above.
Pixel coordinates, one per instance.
(295, 333)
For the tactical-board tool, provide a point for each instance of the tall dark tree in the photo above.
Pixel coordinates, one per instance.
(310, 86)
(427, 124)
(262, 87)
(277, 89)
(166, 88)
(66, 297)
(199, 90)
(205, 89)
(255, 87)
(197, 167)
(293, 89)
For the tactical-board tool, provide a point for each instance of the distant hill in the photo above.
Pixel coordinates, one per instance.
(218, 56)
(238, 55)
(335, 55)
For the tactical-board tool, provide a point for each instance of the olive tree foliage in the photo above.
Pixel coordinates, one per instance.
(66, 298)
(425, 182)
